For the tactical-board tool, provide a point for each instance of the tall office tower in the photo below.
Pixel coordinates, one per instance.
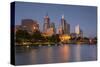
(68, 28)
(30, 25)
(65, 26)
(52, 25)
(50, 31)
(78, 31)
(46, 23)
(60, 30)
(81, 33)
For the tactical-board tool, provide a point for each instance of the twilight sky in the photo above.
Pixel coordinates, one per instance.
(85, 16)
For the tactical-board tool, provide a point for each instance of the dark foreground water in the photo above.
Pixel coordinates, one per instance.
(55, 54)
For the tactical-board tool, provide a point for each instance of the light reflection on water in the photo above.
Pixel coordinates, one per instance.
(55, 54)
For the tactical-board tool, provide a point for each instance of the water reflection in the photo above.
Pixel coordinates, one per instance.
(77, 51)
(64, 53)
(55, 54)
(49, 54)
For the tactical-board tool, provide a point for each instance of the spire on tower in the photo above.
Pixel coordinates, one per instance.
(46, 16)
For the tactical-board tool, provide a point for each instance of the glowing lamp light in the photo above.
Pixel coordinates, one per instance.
(65, 37)
(34, 27)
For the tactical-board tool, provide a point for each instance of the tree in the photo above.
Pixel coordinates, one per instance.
(86, 38)
(53, 38)
(22, 35)
(36, 36)
(95, 38)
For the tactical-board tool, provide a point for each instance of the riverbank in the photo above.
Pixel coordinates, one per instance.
(39, 44)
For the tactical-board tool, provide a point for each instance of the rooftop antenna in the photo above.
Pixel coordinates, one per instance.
(46, 16)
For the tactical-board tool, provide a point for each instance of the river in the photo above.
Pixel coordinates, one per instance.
(55, 54)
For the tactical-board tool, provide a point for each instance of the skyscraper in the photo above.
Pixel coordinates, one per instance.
(78, 31)
(68, 28)
(52, 25)
(50, 31)
(65, 26)
(46, 23)
(60, 30)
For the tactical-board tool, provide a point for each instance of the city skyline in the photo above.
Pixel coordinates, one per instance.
(85, 16)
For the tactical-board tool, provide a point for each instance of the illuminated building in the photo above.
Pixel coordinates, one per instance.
(48, 28)
(64, 37)
(50, 31)
(60, 30)
(65, 26)
(46, 23)
(78, 31)
(30, 25)
(52, 25)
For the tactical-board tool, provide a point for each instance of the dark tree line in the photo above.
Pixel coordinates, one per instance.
(23, 35)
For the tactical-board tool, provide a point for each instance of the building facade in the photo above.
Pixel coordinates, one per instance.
(48, 28)
(78, 31)
(46, 23)
(30, 25)
(65, 27)
(53, 26)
